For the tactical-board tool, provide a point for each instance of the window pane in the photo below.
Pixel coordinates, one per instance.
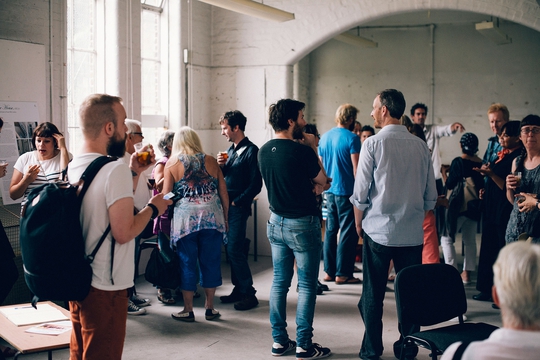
(83, 24)
(81, 70)
(150, 35)
(150, 87)
(81, 62)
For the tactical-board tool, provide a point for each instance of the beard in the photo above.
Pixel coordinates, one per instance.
(298, 132)
(116, 147)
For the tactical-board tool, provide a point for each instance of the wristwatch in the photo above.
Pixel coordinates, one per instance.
(155, 211)
(537, 202)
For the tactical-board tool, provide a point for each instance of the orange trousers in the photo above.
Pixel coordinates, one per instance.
(430, 252)
(99, 325)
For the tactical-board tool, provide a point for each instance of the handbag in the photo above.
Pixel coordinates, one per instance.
(472, 205)
(163, 271)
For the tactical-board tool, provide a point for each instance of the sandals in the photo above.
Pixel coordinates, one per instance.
(166, 297)
(348, 280)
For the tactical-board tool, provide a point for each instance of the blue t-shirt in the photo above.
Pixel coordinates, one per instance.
(335, 149)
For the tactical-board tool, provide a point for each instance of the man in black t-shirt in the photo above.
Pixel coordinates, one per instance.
(293, 178)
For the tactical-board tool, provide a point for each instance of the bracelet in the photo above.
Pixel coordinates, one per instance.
(155, 211)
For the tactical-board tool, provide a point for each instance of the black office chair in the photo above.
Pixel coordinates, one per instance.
(148, 243)
(428, 295)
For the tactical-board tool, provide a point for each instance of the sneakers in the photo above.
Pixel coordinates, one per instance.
(247, 302)
(140, 302)
(211, 314)
(235, 296)
(134, 309)
(465, 277)
(184, 316)
(315, 351)
(282, 349)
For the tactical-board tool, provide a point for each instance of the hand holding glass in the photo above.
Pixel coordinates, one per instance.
(143, 157)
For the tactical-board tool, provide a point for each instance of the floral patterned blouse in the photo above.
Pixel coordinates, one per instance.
(199, 206)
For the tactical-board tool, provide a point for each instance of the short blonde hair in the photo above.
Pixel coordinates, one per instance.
(344, 113)
(517, 282)
(499, 107)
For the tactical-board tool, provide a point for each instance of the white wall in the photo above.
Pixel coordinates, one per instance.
(470, 73)
(38, 22)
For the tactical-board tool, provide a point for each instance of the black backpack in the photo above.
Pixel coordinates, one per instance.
(56, 266)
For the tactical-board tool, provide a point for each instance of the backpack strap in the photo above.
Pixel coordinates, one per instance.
(460, 350)
(91, 171)
(87, 177)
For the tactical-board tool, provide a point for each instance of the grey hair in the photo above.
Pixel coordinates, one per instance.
(517, 283)
(132, 125)
(165, 143)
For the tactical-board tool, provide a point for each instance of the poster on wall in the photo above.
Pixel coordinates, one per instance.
(20, 119)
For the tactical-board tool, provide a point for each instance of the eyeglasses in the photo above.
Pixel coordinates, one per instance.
(534, 130)
(137, 133)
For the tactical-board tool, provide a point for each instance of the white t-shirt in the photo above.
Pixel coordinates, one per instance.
(112, 183)
(142, 193)
(50, 170)
(502, 344)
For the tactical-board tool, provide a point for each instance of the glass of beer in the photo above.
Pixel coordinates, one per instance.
(224, 154)
(143, 157)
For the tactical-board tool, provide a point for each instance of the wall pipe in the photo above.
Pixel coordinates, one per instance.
(432, 80)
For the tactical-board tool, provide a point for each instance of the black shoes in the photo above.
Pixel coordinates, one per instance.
(242, 302)
(248, 302)
(235, 296)
(482, 297)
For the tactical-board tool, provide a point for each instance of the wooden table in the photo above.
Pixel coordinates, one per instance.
(27, 343)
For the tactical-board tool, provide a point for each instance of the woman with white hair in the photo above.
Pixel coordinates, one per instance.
(517, 292)
(200, 218)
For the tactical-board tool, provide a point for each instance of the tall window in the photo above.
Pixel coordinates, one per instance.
(151, 61)
(154, 70)
(81, 61)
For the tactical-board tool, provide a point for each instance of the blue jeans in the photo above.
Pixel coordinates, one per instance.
(202, 247)
(240, 272)
(339, 257)
(292, 239)
(376, 260)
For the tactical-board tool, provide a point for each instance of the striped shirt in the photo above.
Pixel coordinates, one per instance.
(50, 169)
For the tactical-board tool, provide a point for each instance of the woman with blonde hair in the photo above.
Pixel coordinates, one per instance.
(199, 220)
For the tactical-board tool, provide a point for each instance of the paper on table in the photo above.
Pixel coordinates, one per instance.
(55, 328)
(27, 315)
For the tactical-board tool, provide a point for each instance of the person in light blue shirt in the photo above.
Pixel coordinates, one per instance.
(393, 190)
(338, 150)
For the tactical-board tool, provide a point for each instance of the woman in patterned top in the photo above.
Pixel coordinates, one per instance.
(199, 220)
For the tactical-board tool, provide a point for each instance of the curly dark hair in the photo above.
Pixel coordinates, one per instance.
(281, 112)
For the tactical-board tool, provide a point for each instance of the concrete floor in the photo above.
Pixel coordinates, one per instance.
(247, 335)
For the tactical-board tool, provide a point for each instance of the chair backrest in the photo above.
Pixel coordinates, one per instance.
(429, 294)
